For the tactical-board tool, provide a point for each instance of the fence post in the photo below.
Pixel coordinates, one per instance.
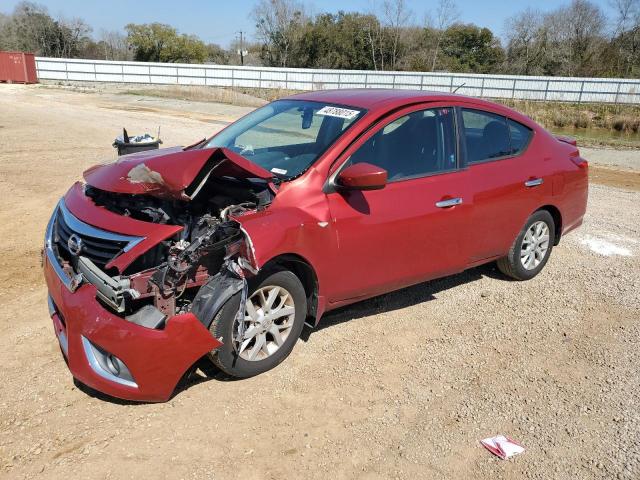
(546, 90)
(513, 89)
(66, 70)
(617, 93)
(451, 84)
(581, 90)
(233, 76)
(482, 88)
(421, 82)
(366, 80)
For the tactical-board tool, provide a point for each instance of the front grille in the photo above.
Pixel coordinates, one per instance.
(99, 246)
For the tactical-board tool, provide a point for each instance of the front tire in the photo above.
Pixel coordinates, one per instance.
(531, 249)
(273, 320)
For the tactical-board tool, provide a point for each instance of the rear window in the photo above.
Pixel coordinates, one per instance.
(490, 136)
(520, 136)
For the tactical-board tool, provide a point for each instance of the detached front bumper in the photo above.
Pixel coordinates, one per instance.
(92, 339)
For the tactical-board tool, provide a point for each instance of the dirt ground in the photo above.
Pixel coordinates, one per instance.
(401, 386)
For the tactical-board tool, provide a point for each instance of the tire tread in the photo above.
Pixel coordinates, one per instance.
(510, 265)
(220, 324)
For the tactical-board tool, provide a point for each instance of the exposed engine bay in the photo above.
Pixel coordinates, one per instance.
(210, 247)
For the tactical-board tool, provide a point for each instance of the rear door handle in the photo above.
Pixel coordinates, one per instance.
(450, 202)
(534, 182)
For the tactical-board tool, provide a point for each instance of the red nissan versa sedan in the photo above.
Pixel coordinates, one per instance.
(225, 248)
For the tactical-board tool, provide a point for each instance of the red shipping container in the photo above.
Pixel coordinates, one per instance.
(18, 67)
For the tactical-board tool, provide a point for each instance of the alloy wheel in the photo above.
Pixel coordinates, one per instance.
(268, 319)
(535, 245)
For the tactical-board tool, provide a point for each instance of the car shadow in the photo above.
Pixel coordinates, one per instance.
(403, 298)
(204, 371)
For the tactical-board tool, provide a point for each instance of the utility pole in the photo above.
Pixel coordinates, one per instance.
(241, 48)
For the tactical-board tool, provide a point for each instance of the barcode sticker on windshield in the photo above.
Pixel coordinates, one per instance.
(338, 112)
(279, 171)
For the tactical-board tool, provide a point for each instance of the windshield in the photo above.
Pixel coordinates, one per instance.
(287, 136)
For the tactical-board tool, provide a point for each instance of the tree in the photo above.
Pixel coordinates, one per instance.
(31, 29)
(334, 41)
(469, 48)
(157, 42)
(575, 39)
(73, 36)
(626, 38)
(278, 28)
(526, 43)
(114, 45)
(396, 17)
(446, 15)
(375, 36)
(216, 54)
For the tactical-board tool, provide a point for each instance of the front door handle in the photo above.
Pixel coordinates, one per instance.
(534, 182)
(450, 202)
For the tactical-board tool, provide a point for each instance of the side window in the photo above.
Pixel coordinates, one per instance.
(520, 136)
(486, 135)
(418, 144)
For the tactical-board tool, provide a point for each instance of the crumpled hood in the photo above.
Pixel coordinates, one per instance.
(171, 172)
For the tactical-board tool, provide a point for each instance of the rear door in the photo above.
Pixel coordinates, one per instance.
(510, 179)
(415, 228)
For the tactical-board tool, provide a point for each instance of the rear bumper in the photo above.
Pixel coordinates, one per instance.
(156, 359)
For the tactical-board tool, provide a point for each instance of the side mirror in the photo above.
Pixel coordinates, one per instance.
(362, 176)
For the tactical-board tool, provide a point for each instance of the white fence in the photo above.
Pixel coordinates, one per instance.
(565, 89)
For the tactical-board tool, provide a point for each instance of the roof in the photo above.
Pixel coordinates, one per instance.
(385, 99)
(374, 97)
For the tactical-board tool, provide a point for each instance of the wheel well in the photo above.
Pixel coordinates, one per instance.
(557, 220)
(305, 272)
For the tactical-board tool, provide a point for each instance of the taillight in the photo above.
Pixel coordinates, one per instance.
(580, 162)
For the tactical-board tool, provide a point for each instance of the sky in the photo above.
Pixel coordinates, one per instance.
(219, 21)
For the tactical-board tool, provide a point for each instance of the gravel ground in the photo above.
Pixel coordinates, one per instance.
(400, 386)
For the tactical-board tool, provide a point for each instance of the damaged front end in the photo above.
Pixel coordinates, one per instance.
(139, 260)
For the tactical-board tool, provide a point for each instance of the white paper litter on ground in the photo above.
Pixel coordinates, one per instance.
(501, 446)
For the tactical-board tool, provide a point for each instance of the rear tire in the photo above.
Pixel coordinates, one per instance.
(270, 332)
(531, 249)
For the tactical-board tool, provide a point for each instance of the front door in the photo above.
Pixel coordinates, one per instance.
(415, 228)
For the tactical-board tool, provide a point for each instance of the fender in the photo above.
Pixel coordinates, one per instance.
(306, 230)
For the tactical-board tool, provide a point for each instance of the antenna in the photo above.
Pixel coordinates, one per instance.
(459, 87)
